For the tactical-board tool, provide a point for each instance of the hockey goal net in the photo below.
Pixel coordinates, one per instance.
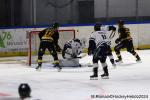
(34, 42)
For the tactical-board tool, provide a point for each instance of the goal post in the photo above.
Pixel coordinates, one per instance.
(34, 42)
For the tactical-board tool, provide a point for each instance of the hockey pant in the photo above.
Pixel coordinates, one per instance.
(47, 45)
(128, 44)
(101, 54)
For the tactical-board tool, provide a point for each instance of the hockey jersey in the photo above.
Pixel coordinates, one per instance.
(97, 38)
(73, 48)
(100, 37)
(124, 34)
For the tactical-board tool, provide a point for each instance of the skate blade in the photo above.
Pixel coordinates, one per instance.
(139, 61)
(114, 66)
(95, 78)
(59, 69)
(90, 65)
(38, 69)
(120, 62)
(105, 77)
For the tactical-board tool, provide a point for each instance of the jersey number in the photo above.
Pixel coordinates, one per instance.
(48, 34)
(104, 37)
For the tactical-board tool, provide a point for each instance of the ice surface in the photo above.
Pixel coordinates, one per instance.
(129, 78)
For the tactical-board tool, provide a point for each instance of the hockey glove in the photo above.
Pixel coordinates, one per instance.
(117, 40)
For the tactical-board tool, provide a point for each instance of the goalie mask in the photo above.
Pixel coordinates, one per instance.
(24, 90)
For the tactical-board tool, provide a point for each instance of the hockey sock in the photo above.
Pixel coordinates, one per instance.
(105, 69)
(136, 55)
(95, 70)
(39, 62)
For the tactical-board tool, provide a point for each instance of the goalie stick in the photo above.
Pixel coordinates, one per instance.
(83, 55)
(77, 56)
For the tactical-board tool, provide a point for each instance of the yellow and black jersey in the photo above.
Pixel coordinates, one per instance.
(124, 33)
(49, 34)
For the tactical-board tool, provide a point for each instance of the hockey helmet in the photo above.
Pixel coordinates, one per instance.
(97, 26)
(55, 25)
(24, 90)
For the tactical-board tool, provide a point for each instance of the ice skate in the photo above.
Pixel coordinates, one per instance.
(105, 76)
(95, 74)
(119, 61)
(56, 65)
(80, 65)
(94, 77)
(59, 68)
(38, 68)
(138, 60)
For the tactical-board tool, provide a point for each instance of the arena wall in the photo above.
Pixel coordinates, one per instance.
(14, 41)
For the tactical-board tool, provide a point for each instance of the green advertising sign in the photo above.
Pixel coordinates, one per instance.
(4, 36)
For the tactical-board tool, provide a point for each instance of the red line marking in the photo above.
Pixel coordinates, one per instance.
(4, 94)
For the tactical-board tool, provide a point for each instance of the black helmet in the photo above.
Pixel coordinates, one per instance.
(55, 25)
(24, 90)
(97, 26)
(121, 22)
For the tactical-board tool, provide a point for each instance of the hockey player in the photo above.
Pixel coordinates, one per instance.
(109, 52)
(98, 46)
(124, 41)
(24, 91)
(49, 40)
(71, 51)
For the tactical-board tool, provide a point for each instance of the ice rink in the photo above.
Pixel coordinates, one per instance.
(128, 79)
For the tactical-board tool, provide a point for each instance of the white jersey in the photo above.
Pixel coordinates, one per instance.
(71, 51)
(106, 29)
(100, 37)
(73, 47)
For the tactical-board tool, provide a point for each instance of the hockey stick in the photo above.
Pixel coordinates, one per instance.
(78, 56)
(81, 56)
(72, 55)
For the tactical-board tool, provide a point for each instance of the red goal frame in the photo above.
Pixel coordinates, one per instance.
(36, 32)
